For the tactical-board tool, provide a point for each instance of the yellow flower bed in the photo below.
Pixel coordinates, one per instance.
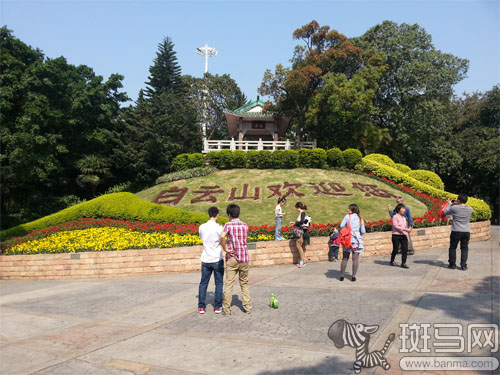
(105, 239)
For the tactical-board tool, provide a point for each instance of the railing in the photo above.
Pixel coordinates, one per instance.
(210, 145)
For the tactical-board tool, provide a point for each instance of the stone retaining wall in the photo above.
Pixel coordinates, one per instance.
(184, 259)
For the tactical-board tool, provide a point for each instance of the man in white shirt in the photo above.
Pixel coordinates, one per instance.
(211, 261)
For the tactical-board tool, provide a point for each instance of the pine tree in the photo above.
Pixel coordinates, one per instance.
(165, 73)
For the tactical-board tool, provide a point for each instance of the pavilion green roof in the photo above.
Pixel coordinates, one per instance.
(247, 107)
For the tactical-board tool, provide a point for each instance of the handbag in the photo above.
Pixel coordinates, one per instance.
(298, 232)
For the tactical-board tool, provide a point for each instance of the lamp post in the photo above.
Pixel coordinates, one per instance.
(206, 52)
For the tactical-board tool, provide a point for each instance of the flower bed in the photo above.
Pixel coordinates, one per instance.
(111, 235)
(90, 234)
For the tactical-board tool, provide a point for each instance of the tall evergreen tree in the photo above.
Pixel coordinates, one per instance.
(163, 123)
(165, 73)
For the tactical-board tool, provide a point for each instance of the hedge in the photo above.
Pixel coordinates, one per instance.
(312, 158)
(119, 206)
(334, 157)
(382, 159)
(427, 177)
(187, 161)
(482, 210)
(351, 157)
(185, 174)
(402, 168)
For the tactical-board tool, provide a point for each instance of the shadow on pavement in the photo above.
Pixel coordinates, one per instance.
(335, 274)
(437, 263)
(329, 366)
(474, 306)
(384, 262)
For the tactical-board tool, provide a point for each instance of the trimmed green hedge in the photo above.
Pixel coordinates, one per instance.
(119, 206)
(402, 168)
(334, 157)
(351, 157)
(279, 159)
(482, 210)
(312, 158)
(427, 177)
(188, 161)
(382, 159)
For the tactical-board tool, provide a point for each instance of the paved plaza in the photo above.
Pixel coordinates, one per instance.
(150, 324)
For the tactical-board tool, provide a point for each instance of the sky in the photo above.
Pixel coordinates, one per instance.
(251, 36)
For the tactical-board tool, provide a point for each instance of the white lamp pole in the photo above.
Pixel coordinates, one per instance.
(206, 52)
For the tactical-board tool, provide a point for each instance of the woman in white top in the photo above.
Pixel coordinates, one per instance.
(278, 212)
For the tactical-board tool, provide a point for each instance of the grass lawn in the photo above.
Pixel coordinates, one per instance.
(322, 208)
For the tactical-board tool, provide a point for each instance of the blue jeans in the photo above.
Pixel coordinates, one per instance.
(206, 272)
(277, 232)
(333, 253)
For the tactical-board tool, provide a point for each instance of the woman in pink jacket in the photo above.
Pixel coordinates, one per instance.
(400, 232)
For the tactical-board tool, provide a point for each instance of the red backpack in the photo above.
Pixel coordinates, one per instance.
(345, 237)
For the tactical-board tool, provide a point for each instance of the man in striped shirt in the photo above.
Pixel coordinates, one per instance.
(236, 258)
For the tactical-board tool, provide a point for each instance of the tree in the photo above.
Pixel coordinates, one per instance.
(52, 113)
(341, 113)
(326, 55)
(475, 137)
(165, 73)
(92, 168)
(211, 95)
(413, 92)
(163, 123)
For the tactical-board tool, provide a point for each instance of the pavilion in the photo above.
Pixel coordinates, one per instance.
(251, 123)
(251, 127)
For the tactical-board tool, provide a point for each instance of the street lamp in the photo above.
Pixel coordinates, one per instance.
(207, 52)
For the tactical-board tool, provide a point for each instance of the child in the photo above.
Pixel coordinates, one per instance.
(334, 243)
(279, 219)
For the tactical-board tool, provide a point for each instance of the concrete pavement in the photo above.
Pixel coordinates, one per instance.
(149, 324)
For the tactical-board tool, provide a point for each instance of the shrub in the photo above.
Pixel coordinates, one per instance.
(214, 157)
(334, 157)
(481, 209)
(120, 206)
(382, 159)
(402, 168)
(427, 177)
(319, 159)
(290, 159)
(253, 159)
(239, 159)
(185, 174)
(265, 159)
(225, 159)
(278, 157)
(196, 160)
(180, 162)
(352, 157)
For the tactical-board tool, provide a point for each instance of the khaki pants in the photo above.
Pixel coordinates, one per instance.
(233, 268)
(301, 247)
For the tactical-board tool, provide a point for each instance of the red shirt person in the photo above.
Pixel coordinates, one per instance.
(237, 258)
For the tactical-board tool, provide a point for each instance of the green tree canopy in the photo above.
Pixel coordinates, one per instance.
(52, 114)
(211, 95)
(414, 92)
